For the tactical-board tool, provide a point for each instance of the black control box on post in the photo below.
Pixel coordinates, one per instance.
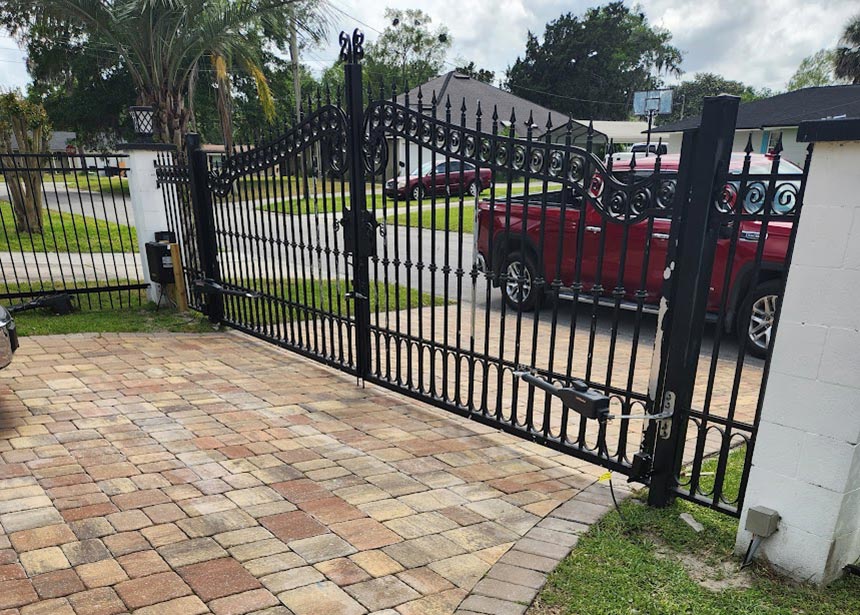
(158, 258)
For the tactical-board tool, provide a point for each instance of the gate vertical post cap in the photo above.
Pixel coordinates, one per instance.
(762, 521)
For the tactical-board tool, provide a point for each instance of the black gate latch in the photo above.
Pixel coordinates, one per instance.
(207, 286)
(364, 246)
(579, 397)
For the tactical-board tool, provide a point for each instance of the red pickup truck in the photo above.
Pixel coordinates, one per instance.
(453, 177)
(749, 313)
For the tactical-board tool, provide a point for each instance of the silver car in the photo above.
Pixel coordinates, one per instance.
(8, 337)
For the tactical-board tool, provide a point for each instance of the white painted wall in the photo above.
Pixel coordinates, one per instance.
(792, 150)
(147, 203)
(806, 463)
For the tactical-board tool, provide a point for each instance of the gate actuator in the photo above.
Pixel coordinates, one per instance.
(207, 286)
(590, 403)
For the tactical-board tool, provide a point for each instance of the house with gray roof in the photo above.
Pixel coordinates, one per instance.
(763, 121)
(462, 90)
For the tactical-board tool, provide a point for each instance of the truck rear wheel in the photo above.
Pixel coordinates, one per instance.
(518, 288)
(757, 318)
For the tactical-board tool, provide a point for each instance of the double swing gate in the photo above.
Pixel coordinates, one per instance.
(440, 249)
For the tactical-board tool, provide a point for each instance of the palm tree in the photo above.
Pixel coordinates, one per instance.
(163, 44)
(847, 61)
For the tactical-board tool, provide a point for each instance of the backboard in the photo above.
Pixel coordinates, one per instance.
(658, 102)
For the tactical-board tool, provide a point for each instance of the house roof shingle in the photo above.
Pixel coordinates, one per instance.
(462, 88)
(788, 109)
(58, 142)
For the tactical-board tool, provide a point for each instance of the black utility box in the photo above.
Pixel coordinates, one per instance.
(160, 263)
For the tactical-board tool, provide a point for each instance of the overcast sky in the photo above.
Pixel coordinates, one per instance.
(759, 42)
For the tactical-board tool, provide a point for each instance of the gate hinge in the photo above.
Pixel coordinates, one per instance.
(208, 286)
(664, 419)
(354, 294)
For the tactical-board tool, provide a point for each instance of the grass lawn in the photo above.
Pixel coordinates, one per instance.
(426, 218)
(106, 312)
(142, 319)
(467, 211)
(654, 563)
(129, 311)
(303, 206)
(97, 183)
(324, 295)
(333, 202)
(65, 232)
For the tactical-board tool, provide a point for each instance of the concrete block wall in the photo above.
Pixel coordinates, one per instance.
(806, 463)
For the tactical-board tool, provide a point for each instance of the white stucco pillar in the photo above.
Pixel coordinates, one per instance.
(806, 463)
(147, 202)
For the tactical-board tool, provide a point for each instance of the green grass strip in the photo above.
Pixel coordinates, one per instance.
(652, 562)
(323, 295)
(65, 232)
(97, 183)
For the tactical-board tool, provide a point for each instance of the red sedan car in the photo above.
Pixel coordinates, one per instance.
(452, 177)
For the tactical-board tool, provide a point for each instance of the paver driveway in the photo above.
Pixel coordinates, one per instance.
(195, 473)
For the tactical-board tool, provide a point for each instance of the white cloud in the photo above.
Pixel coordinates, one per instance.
(13, 71)
(759, 43)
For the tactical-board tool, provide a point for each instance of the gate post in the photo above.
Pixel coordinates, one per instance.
(357, 221)
(204, 218)
(704, 161)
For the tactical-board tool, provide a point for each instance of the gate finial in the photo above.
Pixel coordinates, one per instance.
(352, 48)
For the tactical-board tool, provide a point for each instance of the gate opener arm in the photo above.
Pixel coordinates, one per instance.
(579, 397)
(592, 404)
(207, 286)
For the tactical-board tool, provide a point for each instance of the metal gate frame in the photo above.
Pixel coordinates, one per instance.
(349, 144)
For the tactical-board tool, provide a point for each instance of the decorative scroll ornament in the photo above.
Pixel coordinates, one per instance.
(620, 194)
(327, 126)
(352, 48)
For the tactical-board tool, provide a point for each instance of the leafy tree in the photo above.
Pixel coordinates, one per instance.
(86, 87)
(589, 66)
(480, 74)
(83, 87)
(407, 50)
(688, 96)
(163, 45)
(847, 62)
(815, 70)
(28, 124)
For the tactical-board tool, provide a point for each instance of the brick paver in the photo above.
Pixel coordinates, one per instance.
(216, 474)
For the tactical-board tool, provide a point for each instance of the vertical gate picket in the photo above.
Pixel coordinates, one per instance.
(357, 221)
(705, 160)
(201, 202)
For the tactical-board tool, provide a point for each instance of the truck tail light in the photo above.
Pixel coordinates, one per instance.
(728, 198)
(596, 187)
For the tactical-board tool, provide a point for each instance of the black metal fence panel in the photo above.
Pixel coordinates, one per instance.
(66, 226)
(479, 262)
(756, 209)
(173, 178)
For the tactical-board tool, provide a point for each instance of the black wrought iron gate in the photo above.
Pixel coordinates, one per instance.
(508, 271)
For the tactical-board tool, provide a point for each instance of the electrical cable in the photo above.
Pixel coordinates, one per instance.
(615, 501)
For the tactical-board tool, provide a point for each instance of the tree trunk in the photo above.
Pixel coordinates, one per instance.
(294, 60)
(171, 117)
(224, 105)
(25, 184)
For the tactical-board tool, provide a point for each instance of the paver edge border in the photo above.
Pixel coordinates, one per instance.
(566, 523)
